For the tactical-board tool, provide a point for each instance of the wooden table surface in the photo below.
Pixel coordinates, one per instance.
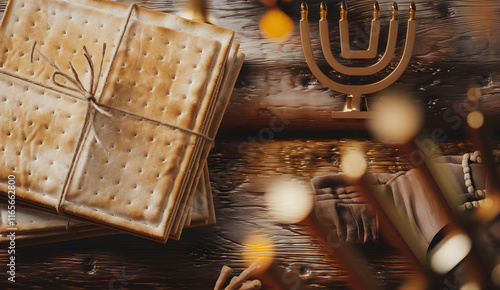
(458, 46)
(239, 182)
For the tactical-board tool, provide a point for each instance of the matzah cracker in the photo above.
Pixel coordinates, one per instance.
(184, 218)
(233, 67)
(34, 228)
(211, 219)
(224, 100)
(200, 205)
(132, 169)
(38, 130)
(42, 228)
(33, 239)
(28, 221)
(225, 95)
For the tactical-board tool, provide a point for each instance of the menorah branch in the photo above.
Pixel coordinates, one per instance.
(357, 91)
(359, 71)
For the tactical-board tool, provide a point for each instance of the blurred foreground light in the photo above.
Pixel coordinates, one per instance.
(475, 120)
(490, 208)
(397, 119)
(289, 201)
(276, 25)
(353, 161)
(258, 248)
(474, 94)
(451, 252)
(495, 275)
(471, 286)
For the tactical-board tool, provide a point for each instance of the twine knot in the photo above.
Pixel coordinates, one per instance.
(88, 94)
(90, 97)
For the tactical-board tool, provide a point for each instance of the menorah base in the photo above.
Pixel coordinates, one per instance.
(354, 108)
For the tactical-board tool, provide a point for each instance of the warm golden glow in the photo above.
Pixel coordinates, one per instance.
(397, 119)
(451, 252)
(353, 161)
(289, 201)
(276, 25)
(489, 209)
(495, 275)
(471, 286)
(475, 120)
(259, 249)
(473, 94)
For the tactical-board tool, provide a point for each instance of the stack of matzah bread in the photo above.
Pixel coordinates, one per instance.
(127, 148)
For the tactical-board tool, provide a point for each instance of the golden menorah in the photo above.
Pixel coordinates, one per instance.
(352, 108)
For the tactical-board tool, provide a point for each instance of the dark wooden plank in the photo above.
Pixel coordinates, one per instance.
(458, 46)
(239, 179)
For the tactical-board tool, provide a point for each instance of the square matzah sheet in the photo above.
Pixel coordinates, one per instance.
(126, 165)
(35, 227)
(232, 70)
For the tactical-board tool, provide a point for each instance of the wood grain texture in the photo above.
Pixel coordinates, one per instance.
(458, 46)
(239, 180)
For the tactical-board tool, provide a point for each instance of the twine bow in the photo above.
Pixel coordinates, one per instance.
(88, 94)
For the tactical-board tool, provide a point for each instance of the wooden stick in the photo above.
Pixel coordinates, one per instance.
(233, 283)
(443, 199)
(225, 272)
(392, 224)
(254, 284)
(360, 276)
(236, 282)
(293, 203)
(441, 194)
(395, 228)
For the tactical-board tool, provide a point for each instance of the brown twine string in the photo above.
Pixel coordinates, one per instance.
(90, 96)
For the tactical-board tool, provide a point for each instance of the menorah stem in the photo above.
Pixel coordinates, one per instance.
(196, 10)
(345, 44)
(356, 103)
(353, 103)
